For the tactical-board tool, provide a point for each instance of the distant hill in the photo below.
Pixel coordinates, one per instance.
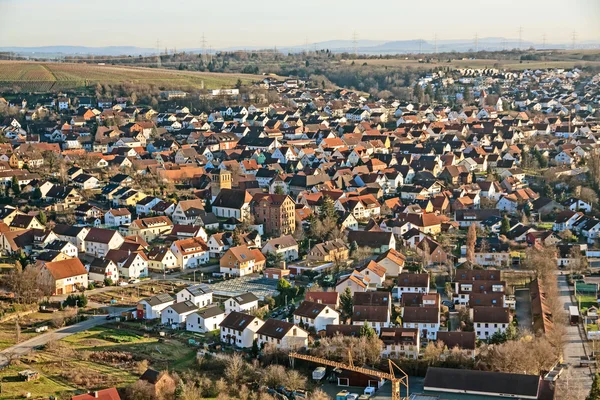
(337, 46)
(55, 51)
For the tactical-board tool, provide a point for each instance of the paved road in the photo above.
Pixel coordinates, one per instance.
(523, 309)
(27, 346)
(575, 345)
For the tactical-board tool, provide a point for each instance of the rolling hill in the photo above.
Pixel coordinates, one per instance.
(47, 76)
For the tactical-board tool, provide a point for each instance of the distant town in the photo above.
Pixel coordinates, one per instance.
(283, 237)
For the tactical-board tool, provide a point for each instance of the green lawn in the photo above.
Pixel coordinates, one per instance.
(13, 387)
(586, 301)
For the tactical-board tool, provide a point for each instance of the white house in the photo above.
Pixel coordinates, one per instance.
(316, 315)
(426, 319)
(200, 294)
(284, 245)
(411, 283)
(282, 335)
(240, 329)
(177, 313)
(376, 317)
(205, 320)
(64, 247)
(242, 303)
(575, 204)
(117, 217)
(489, 320)
(98, 241)
(101, 268)
(152, 307)
(190, 253)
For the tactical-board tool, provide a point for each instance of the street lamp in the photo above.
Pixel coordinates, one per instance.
(76, 310)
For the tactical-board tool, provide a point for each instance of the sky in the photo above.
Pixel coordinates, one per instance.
(268, 23)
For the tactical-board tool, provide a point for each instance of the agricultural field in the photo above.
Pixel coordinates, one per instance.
(475, 63)
(126, 296)
(47, 76)
(100, 357)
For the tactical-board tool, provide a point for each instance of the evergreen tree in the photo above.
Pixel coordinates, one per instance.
(346, 303)
(595, 392)
(42, 218)
(15, 186)
(505, 225)
(327, 209)
(367, 330)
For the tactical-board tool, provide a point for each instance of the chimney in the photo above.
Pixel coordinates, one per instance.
(96, 394)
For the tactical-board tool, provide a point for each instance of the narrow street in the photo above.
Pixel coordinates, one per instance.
(27, 346)
(575, 344)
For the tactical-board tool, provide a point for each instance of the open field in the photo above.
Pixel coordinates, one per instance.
(100, 357)
(126, 296)
(42, 388)
(476, 63)
(46, 76)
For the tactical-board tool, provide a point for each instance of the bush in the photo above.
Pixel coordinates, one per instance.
(75, 300)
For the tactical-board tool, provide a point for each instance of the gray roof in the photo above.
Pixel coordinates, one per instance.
(210, 311)
(159, 299)
(493, 383)
(183, 307)
(198, 289)
(245, 298)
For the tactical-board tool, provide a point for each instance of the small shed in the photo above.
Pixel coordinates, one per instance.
(29, 375)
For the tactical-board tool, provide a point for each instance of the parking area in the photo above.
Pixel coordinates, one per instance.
(523, 308)
(261, 287)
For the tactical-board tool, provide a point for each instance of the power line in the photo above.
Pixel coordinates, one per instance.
(203, 41)
(544, 41)
(435, 44)
(520, 36)
(158, 60)
(476, 43)
(574, 39)
(355, 43)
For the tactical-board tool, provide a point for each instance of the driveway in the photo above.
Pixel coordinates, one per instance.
(27, 346)
(523, 309)
(575, 345)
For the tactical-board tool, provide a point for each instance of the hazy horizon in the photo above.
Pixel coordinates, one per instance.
(271, 23)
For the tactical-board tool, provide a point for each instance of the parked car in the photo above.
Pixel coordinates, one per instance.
(123, 283)
(134, 281)
(370, 390)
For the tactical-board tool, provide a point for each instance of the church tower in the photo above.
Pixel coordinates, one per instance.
(220, 180)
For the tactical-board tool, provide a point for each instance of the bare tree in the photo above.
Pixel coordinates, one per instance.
(471, 241)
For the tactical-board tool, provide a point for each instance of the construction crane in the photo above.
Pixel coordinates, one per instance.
(397, 381)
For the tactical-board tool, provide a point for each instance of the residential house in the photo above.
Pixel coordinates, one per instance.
(190, 253)
(205, 320)
(67, 276)
(315, 315)
(200, 294)
(152, 307)
(98, 241)
(176, 314)
(245, 302)
(286, 246)
(241, 261)
(240, 329)
(281, 335)
(276, 212)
